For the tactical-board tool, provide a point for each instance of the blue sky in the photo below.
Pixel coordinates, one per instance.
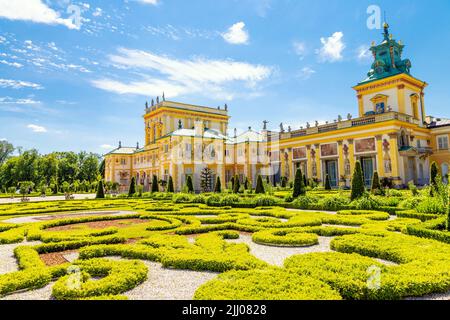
(73, 81)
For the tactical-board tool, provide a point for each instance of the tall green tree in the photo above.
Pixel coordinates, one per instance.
(6, 149)
(101, 168)
(132, 189)
(299, 187)
(259, 185)
(357, 182)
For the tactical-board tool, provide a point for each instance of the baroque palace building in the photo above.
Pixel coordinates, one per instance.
(391, 135)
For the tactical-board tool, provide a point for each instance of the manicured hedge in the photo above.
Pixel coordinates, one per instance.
(268, 284)
(285, 238)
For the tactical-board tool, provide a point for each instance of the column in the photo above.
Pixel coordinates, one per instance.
(380, 168)
(318, 162)
(341, 163)
(393, 152)
(308, 162)
(360, 105)
(351, 155)
(401, 98)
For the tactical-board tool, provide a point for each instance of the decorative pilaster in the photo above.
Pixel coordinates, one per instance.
(341, 163)
(379, 141)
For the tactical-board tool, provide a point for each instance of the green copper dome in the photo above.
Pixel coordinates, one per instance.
(388, 58)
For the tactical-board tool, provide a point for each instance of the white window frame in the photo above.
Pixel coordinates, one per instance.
(438, 143)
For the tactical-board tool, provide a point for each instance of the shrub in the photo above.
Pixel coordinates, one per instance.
(269, 284)
(155, 187)
(299, 187)
(266, 201)
(117, 277)
(413, 188)
(181, 198)
(170, 187)
(285, 238)
(357, 182)
(236, 185)
(259, 185)
(366, 202)
(218, 186)
(431, 205)
(434, 171)
(189, 185)
(213, 200)
(376, 185)
(132, 189)
(333, 203)
(229, 200)
(327, 182)
(304, 202)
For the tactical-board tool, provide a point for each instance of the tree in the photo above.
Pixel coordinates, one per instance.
(170, 185)
(259, 185)
(100, 191)
(206, 179)
(305, 181)
(132, 189)
(299, 187)
(155, 187)
(237, 184)
(327, 182)
(357, 182)
(434, 172)
(25, 188)
(189, 184)
(6, 149)
(376, 185)
(218, 186)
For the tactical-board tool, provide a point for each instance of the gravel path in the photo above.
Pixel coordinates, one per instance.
(169, 284)
(53, 216)
(44, 293)
(434, 296)
(277, 255)
(8, 262)
(49, 198)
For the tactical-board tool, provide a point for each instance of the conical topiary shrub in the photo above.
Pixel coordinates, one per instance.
(376, 185)
(327, 182)
(100, 190)
(237, 184)
(357, 182)
(299, 187)
(434, 171)
(132, 189)
(190, 185)
(155, 187)
(259, 185)
(170, 185)
(218, 186)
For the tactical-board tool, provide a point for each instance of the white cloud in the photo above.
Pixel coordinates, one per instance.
(9, 100)
(36, 128)
(364, 53)
(18, 84)
(32, 10)
(98, 12)
(305, 73)
(152, 2)
(2, 39)
(236, 34)
(177, 77)
(332, 47)
(107, 146)
(12, 64)
(299, 49)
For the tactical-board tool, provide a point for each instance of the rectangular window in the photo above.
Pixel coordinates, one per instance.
(442, 142)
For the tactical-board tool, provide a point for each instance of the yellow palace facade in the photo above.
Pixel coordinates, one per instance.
(391, 135)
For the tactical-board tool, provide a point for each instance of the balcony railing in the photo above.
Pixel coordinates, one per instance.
(366, 120)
